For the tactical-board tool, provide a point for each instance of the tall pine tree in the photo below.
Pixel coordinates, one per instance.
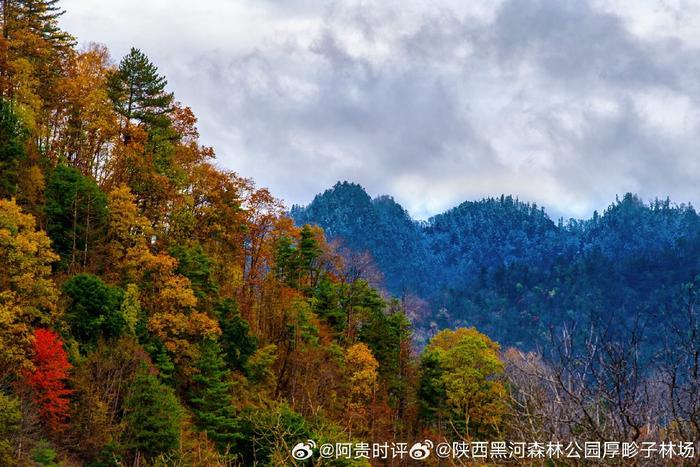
(211, 397)
(153, 416)
(237, 343)
(138, 92)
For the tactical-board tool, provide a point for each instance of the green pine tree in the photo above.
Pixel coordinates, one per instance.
(236, 341)
(159, 354)
(43, 18)
(431, 391)
(211, 397)
(326, 305)
(309, 250)
(286, 262)
(153, 416)
(195, 265)
(138, 92)
(139, 96)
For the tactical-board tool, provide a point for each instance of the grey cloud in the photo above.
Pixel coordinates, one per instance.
(571, 40)
(555, 101)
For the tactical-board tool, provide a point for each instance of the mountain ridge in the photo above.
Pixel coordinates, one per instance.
(504, 266)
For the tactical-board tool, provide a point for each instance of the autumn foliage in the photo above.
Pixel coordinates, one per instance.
(203, 325)
(47, 381)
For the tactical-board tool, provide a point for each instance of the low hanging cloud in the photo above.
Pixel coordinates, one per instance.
(564, 103)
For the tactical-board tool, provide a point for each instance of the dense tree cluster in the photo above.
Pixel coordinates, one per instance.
(158, 310)
(600, 315)
(154, 308)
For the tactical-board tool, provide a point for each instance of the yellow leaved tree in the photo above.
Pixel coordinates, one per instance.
(461, 383)
(362, 377)
(28, 295)
(165, 296)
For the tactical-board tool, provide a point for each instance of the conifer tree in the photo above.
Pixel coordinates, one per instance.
(326, 304)
(236, 341)
(31, 29)
(195, 265)
(309, 251)
(138, 92)
(153, 416)
(33, 58)
(40, 16)
(211, 396)
(287, 262)
(161, 359)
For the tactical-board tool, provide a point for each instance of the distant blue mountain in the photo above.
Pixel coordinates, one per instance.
(380, 226)
(504, 266)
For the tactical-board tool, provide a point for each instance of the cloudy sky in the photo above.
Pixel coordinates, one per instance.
(565, 103)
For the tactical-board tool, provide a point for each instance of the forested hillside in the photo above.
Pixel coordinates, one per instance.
(157, 309)
(379, 226)
(503, 266)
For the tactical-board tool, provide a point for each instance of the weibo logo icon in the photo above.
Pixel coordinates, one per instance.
(420, 451)
(303, 451)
